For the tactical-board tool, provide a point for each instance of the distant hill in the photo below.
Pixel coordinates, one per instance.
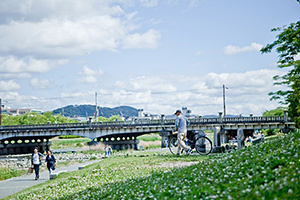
(89, 110)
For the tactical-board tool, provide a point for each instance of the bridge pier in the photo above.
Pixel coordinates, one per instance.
(224, 137)
(123, 144)
(217, 148)
(240, 138)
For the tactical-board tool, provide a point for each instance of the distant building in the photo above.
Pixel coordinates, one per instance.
(16, 112)
(186, 112)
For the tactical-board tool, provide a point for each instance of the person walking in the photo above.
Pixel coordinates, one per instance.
(36, 158)
(106, 151)
(181, 124)
(50, 162)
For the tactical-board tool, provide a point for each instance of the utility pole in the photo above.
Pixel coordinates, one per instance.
(96, 111)
(224, 105)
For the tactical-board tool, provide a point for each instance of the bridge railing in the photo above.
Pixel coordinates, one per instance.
(146, 123)
(254, 119)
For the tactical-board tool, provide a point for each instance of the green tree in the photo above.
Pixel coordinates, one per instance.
(110, 119)
(35, 118)
(275, 112)
(287, 45)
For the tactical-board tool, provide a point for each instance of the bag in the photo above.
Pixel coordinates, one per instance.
(30, 170)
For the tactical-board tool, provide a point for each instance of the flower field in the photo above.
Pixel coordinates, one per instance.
(267, 171)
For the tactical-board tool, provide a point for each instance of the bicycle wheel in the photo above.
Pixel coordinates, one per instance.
(173, 145)
(203, 145)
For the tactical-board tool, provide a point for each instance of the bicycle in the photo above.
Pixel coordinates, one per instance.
(195, 139)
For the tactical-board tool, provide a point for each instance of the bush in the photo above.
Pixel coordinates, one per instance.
(269, 132)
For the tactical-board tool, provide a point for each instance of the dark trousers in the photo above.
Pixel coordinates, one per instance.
(37, 171)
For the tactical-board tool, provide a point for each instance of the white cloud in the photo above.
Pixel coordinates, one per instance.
(198, 53)
(150, 40)
(35, 10)
(14, 75)
(11, 64)
(13, 99)
(149, 3)
(41, 84)
(88, 28)
(87, 79)
(89, 71)
(145, 84)
(194, 3)
(9, 85)
(247, 93)
(89, 75)
(255, 79)
(232, 50)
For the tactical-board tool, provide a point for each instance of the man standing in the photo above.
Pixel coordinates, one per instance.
(181, 124)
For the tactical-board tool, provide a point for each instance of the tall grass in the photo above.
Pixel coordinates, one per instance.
(6, 173)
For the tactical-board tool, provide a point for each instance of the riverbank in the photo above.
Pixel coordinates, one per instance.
(264, 171)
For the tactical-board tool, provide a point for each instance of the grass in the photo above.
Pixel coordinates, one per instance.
(7, 173)
(106, 172)
(150, 137)
(266, 171)
(153, 146)
(69, 136)
(67, 143)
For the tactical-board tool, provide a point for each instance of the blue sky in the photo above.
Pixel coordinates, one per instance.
(150, 54)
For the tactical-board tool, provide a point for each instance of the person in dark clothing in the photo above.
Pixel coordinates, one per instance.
(50, 161)
(36, 158)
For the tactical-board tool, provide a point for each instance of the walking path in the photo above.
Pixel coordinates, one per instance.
(17, 184)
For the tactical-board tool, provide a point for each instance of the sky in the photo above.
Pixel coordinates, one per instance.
(154, 55)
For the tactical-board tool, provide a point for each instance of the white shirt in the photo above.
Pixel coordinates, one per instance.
(36, 160)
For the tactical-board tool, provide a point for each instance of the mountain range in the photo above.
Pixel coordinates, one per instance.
(89, 110)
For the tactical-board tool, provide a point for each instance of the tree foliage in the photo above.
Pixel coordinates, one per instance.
(110, 119)
(35, 118)
(287, 45)
(275, 112)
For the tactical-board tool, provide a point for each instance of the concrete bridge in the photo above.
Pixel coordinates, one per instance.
(123, 135)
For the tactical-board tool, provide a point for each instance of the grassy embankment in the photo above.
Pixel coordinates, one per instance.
(267, 171)
(6, 173)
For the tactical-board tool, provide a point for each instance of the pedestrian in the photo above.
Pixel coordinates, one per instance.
(50, 162)
(106, 150)
(110, 151)
(36, 158)
(181, 124)
(166, 143)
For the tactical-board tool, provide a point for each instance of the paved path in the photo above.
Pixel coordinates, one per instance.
(17, 184)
